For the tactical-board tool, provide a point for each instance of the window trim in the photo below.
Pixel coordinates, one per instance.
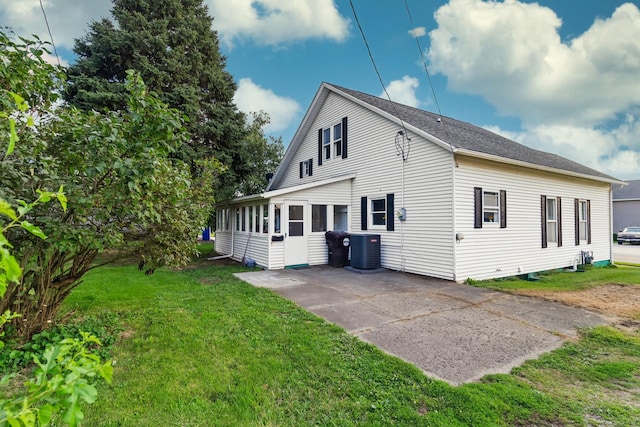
(479, 208)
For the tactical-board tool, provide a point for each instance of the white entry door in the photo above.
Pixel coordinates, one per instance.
(296, 230)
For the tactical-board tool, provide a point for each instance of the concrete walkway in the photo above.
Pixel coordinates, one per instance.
(453, 332)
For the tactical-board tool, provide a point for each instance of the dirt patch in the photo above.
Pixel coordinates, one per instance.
(209, 280)
(611, 299)
(127, 334)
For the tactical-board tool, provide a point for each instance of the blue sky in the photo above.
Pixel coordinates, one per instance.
(556, 75)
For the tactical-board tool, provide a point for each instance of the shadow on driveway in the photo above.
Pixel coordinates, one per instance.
(453, 332)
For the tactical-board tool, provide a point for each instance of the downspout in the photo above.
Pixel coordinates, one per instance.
(610, 223)
(453, 211)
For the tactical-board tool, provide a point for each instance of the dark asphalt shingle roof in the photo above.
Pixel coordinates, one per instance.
(470, 137)
(631, 191)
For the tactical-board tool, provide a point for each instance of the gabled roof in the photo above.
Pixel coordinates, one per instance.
(628, 192)
(450, 134)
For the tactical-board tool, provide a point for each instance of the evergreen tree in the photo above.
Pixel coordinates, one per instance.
(171, 44)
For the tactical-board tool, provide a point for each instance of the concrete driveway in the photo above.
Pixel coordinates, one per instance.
(453, 332)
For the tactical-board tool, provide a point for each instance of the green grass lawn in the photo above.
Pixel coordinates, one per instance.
(202, 348)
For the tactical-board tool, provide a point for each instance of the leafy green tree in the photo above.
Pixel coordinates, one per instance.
(262, 155)
(171, 44)
(128, 194)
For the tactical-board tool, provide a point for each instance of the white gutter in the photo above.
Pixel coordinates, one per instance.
(500, 159)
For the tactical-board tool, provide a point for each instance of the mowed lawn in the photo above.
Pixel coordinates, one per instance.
(202, 348)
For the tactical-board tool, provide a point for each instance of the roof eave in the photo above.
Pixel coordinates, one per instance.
(500, 159)
(281, 191)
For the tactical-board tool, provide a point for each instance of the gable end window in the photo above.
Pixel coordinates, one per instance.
(332, 142)
(583, 221)
(490, 207)
(306, 168)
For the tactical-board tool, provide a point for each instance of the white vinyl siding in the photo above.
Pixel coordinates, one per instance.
(494, 252)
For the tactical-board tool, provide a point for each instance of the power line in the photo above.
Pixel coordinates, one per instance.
(424, 63)
(50, 35)
(355, 15)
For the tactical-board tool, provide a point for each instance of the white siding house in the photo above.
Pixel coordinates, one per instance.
(477, 205)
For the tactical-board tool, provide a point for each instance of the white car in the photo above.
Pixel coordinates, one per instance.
(630, 234)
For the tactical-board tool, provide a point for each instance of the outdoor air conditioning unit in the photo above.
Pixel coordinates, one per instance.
(365, 251)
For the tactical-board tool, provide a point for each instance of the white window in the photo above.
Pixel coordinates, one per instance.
(340, 218)
(318, 218)
(378, 212)
(277, 216)
(337, 140)
(332, 142)
(326, 144)
(237, 219)
(265, 218)
(306, 168)
(582, 226)
(552, 220)
(490, 207)
(257, 219)
(244, 218)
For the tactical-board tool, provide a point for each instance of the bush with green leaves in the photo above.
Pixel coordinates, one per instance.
(128, 193)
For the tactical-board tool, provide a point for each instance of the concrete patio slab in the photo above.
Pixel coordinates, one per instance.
(453, 332)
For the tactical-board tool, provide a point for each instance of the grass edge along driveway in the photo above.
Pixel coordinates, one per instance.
(203, 348)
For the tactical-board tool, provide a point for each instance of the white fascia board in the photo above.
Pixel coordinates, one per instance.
(303, 128)
(281, 191)
(505, 160)
(394, 119)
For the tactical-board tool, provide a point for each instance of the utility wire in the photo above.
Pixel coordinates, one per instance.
(424, 63)
(50, 36)
(355, 15)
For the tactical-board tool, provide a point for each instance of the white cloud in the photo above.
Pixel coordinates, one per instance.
(418, 32)
(568, 94)
(615, 152)
(270, 22)
(252, 98)
(403, 91)
(511, 54)
(68, 19)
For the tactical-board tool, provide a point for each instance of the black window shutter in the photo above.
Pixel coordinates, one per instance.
(363, 213)
(559, 206)
(310, 167)
(576, 206)
(477, 206)
(390, 213)
(503, 209)
(543, 219)
(344, 137)
(320, 147)
(301, 169)
(589, 221)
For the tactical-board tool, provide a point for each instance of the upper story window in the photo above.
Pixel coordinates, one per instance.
(332, 141)
(306, 168)
(337, 140)
(326, 144)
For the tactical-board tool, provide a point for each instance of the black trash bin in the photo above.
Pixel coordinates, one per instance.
(338, 245)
